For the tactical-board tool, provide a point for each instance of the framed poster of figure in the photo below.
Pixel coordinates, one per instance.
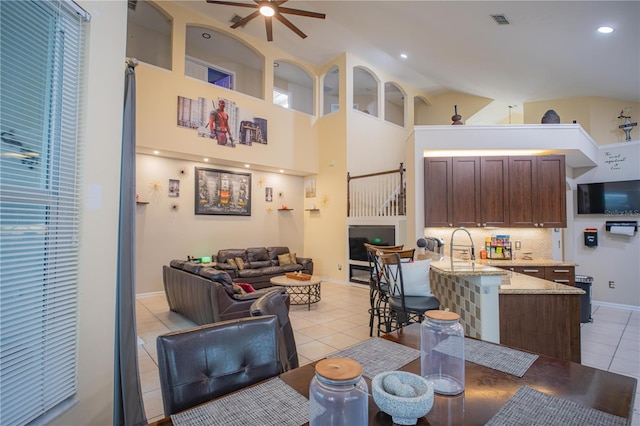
(222, 192)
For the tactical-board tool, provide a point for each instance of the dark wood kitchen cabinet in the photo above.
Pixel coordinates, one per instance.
(495, 191)
(560, 274)
(494, 198)
(452, 191)
(438, 197)
(466, 191)
(537, 194)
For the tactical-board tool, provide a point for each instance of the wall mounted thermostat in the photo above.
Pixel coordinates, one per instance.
(591, 237)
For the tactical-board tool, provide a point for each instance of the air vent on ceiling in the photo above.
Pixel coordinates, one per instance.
(235, 18)
(133, 4)
(500, 19)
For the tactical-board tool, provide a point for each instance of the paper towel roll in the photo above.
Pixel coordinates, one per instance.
(622, 230)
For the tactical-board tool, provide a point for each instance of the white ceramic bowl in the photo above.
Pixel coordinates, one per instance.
(404, 410)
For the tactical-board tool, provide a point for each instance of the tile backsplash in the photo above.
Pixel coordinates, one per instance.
(535, 240)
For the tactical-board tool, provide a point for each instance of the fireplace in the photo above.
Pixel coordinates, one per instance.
(359, 274)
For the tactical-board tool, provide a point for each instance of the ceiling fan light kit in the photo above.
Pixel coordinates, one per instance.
(270, 9)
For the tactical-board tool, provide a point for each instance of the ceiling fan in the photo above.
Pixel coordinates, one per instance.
(269, 9)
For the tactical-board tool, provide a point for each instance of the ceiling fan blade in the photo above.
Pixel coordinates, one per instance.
(290, 25)
(269, 25)
(301, 12)
(246, 19)
(231, 3)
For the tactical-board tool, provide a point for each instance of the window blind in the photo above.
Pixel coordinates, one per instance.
(41, 66)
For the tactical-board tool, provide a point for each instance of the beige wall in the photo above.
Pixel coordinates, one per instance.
(292, 139)
(167, 227)
(99, 217)
(441, 107)
(598, 116)
(616, 257)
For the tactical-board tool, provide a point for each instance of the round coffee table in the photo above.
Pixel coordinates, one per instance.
(300, 292)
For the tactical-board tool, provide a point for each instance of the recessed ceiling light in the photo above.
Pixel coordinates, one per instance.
(281, 171)
(206, 35)
(206, 160)
(404, 56)
(247, 166)
(156, 152)
(605, 30)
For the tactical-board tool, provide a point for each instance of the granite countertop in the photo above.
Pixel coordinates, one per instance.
(446, 265)
(523, 262)
(515, 283)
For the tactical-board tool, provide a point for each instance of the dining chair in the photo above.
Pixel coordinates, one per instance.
(203, 363)
(377, 292)
(272, 303)
(405, 307)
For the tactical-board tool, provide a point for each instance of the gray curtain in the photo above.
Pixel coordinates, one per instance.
(128, 407)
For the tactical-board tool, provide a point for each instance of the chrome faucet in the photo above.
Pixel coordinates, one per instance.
(473, 252)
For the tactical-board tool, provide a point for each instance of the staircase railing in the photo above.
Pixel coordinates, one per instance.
(377, 194)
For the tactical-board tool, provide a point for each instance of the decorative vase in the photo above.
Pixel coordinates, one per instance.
(550, 117)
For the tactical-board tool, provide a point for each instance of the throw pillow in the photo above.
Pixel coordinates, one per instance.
(237, 289)
(415, 276)
(284, 259)
(293, 258)
(246, 287)
(232, 263)
(240, 263)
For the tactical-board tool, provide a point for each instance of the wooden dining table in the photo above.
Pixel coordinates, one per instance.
(487, 390)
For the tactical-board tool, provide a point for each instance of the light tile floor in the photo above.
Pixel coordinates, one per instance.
(611, 342)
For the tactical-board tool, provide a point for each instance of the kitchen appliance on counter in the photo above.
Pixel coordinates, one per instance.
(585, 282)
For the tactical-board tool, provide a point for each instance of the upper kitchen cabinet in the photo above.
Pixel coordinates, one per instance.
(494, 200)
(466, 191)
(438, 196)
(495, 191)
(452, 191)
(536, 193)
(465, 184)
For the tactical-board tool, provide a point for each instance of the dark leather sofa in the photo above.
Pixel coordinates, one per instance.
(205, 294)
(259, 264)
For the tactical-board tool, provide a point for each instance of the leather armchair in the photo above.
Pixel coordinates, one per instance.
(203, 363)
(205, 295)
(273, 304)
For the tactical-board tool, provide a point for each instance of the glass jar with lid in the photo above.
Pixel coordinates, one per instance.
(338, 395)
(442, 352)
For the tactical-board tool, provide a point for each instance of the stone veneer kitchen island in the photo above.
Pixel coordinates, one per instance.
(507, 307)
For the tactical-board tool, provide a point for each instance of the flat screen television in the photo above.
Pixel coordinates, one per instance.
(379, 235)
(620, 198)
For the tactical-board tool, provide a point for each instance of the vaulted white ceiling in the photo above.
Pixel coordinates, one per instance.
(549, 49)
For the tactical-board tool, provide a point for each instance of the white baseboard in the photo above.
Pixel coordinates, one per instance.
(616, 305)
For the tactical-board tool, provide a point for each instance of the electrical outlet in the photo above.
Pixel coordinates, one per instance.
(339, 266)
(518, 245)
(612, 284)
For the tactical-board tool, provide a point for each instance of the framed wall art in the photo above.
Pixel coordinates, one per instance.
(221, 192)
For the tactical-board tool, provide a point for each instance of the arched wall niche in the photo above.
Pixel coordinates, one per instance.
(331, 90)
(365, 90)
(420, 107)
(293, 85)
(222, 59)
(149, 34)
(394, 103)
